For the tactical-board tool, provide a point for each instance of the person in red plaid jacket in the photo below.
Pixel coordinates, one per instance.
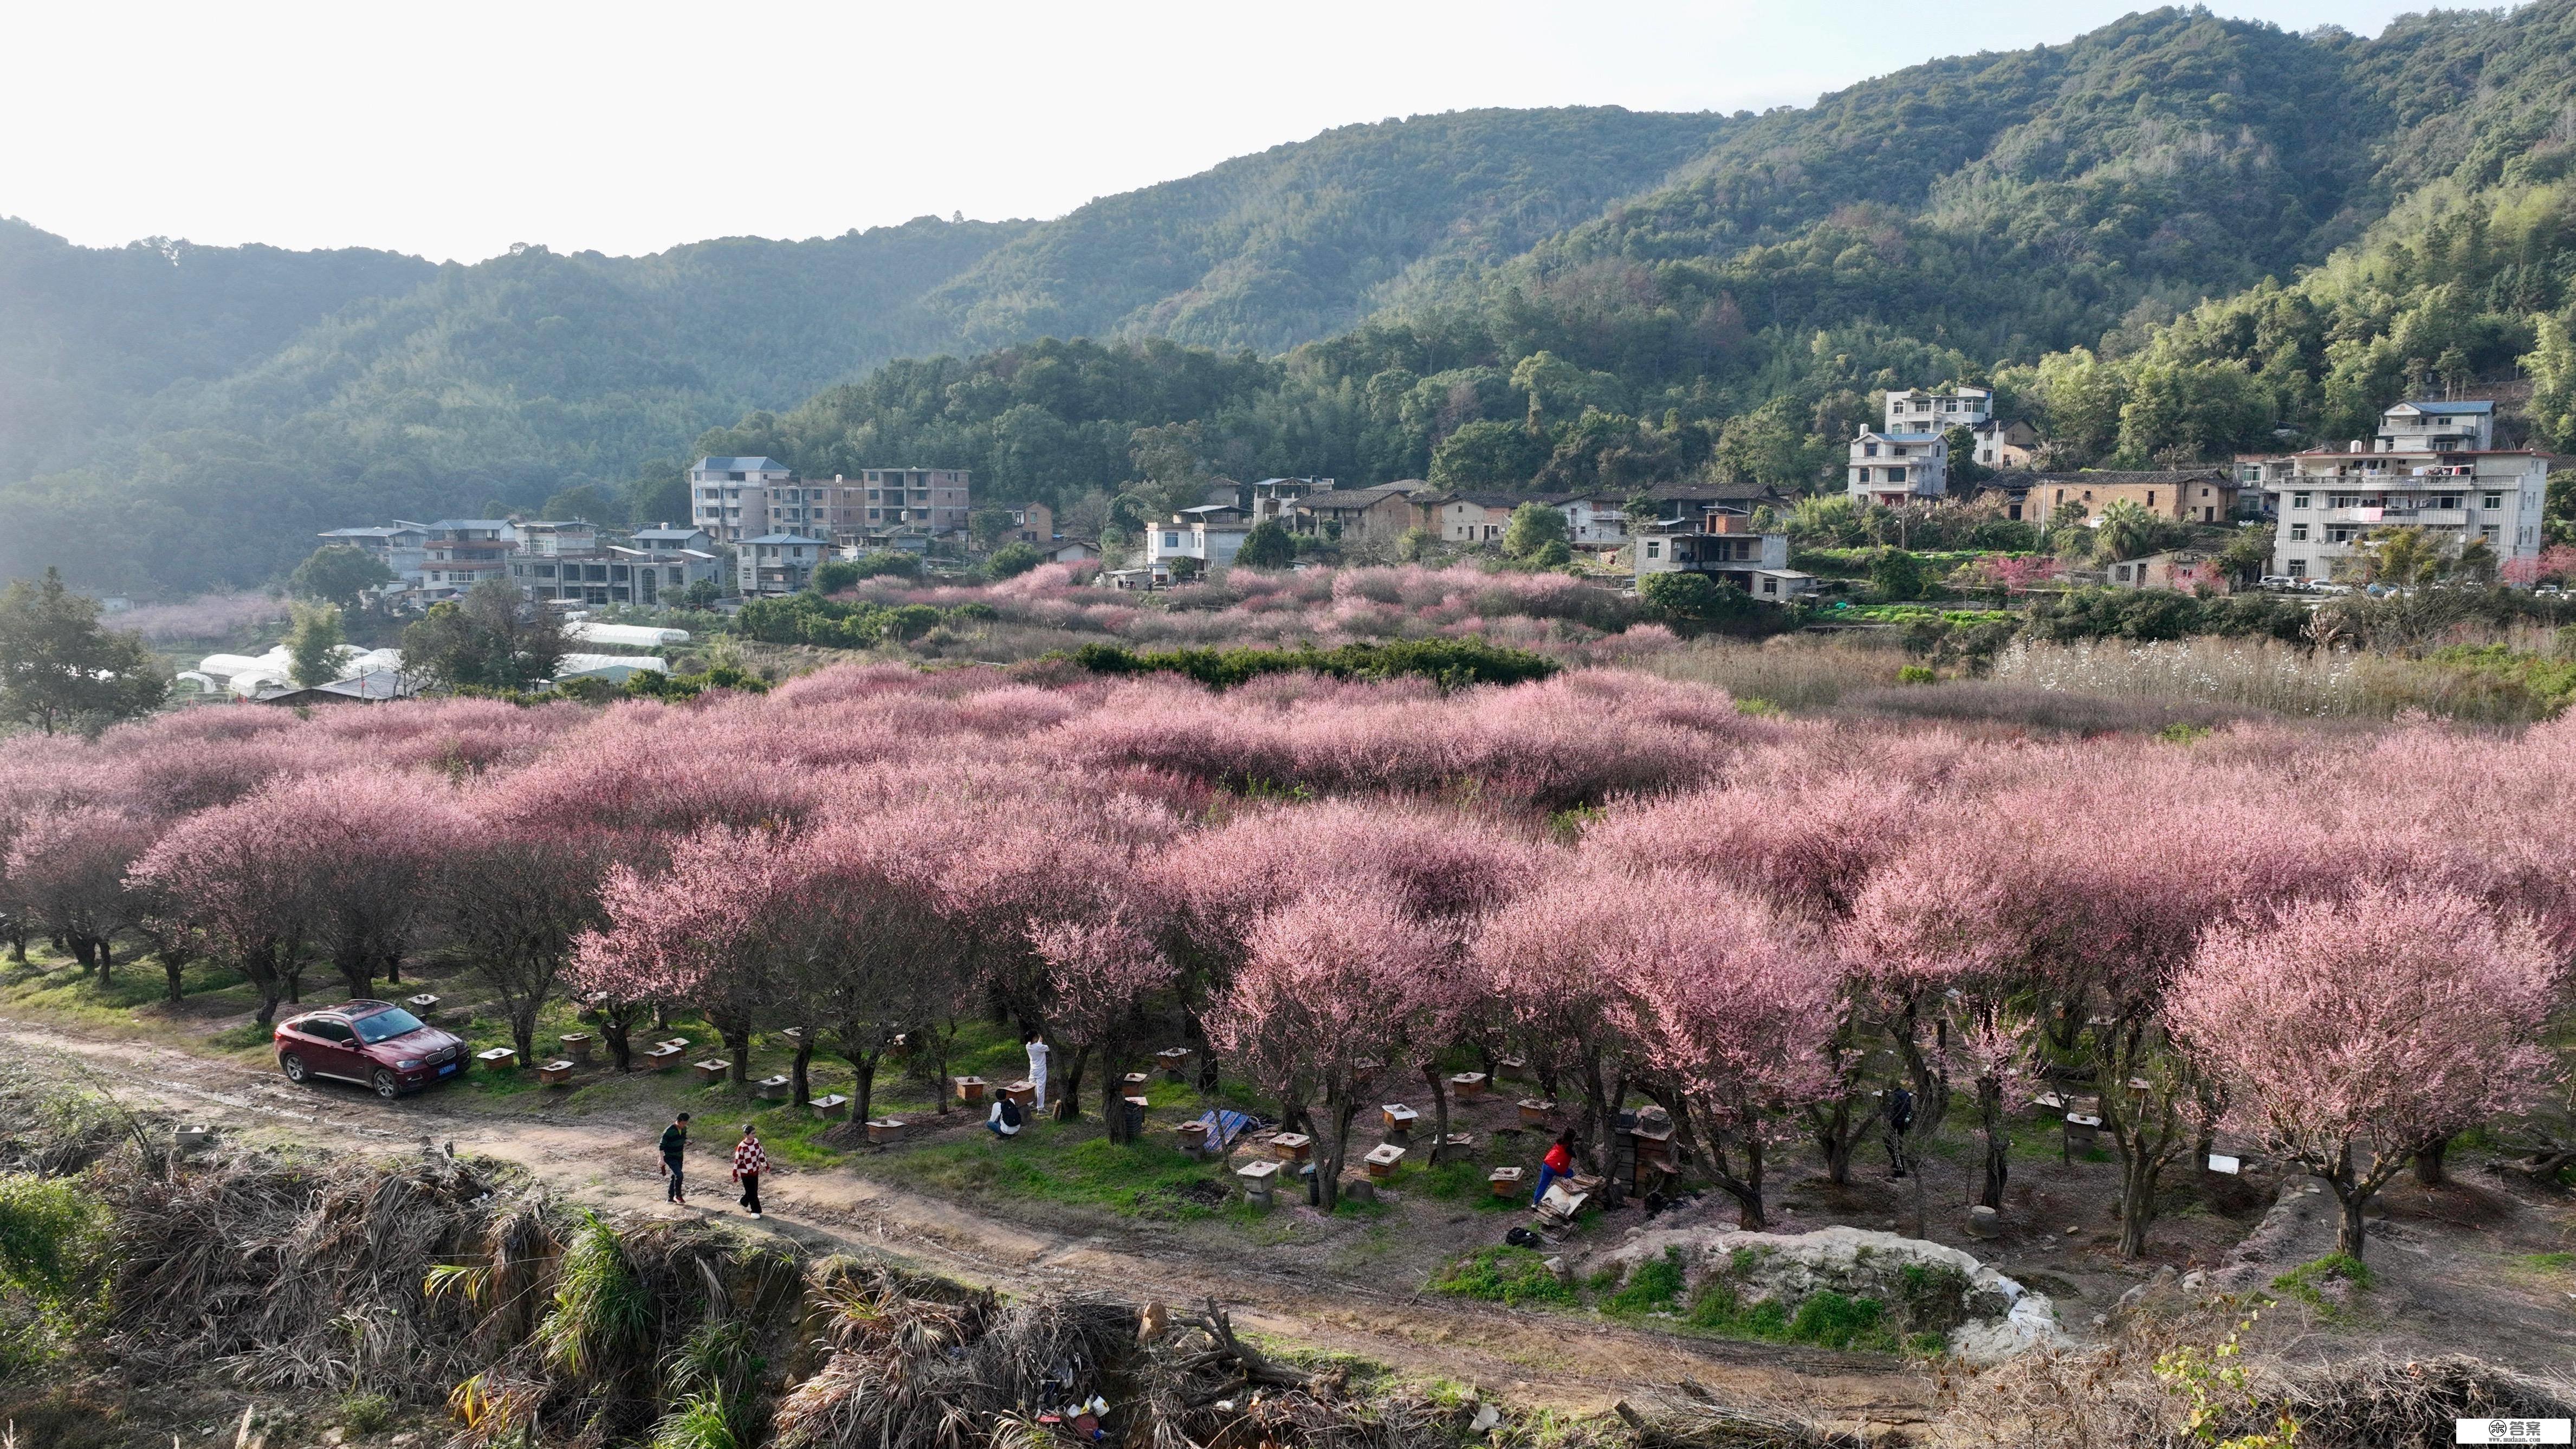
(749, 1162)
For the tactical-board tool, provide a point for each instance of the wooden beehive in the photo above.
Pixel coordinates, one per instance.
(1506, 1181)
(774, 1089)
(882, 1130)
(712, 1070)
(1400, 1118)
(969, 1089)
(1383, 1159)
(662, 1058)
(555, 1074)
(1292, 1146)
(1022, 1092)
(1535, 1111)
(576, 1046)
(1468, 1085)
(834, 1108)
(499, 1059)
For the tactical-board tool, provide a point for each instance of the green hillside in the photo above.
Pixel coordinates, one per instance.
(2174, 237)
(1301, 241)
(88, 334)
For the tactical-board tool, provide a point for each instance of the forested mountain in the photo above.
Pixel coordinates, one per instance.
(87, 334)
(2175, 236)
(2172, 238)
(1303, 240)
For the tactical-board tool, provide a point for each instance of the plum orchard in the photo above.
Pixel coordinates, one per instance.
(1627, 882)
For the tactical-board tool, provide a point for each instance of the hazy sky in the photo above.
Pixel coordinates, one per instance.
(456, 128)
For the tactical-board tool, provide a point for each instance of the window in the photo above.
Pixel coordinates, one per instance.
(1654, 549)
(1895, 475)
(1770, 586)
(1171, 540)
(1869, 450)
(2298, 533)
(2338, 535)
(2298, 568)
(2298, 500)
(2492, 502)
(2491, 532)
(329, 1030)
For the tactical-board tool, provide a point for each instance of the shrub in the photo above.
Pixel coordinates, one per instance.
(1012, 560)
(1450, 663)
(49, 1237)
(1653, 1286)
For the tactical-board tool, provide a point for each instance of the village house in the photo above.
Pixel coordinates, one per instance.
(1470, 518)
(1210, 535)
(1279, 497)
(2442, 427)
(458, 553)
(1072, 551)
(663, 538)
(2006, 445)
(1918, 411)
(1032, 523)
(397, 546)
(2328, 501)
(729, 497)
(2186, 495)
(1719, 540)
(777, 564)
(1896, 468)
(2181, 569)
(1383, 513)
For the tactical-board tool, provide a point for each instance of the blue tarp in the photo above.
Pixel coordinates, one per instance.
(1224, 1126)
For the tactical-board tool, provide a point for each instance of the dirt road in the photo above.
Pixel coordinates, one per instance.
(605, 1159)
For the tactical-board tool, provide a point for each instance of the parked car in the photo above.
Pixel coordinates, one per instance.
(375, 1044)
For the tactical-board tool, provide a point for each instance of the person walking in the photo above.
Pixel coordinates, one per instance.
(675, 1139)
(749, 1162)
(1037, 1068)
(1559, 1162)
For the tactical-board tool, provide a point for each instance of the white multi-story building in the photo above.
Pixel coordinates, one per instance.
(1917, 411)
(1719, 540)
(1211, 533)
(2329, 501)
(729, 497)
(2450, 426)
(1898, 467)
(774, 565)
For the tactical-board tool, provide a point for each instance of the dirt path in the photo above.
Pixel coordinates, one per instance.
(605, 1160)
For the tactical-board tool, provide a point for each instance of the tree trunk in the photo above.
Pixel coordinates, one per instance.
(265, 980)
(17, 945)
(800, 1079)
(523, 1031)
(1439, 1106)
(736, 1035)
(83, 952)
(1113, 1098)
(1605, 1135)
(1747, 1189)
(1990, 1122)
(106, 958)
(1068, 1103)
(353, 968)
(1328, 1172)
(2348, 1232)
(174, 967)
(1838, 1135)
(2428, 1163)
(863, 1066)
(2138, 1173)
(1194, 1032)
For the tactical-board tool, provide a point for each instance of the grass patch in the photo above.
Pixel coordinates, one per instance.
(1826, 1319)
(1506, 1275)
(1068, 1163)
(2549, 1262)
(1654, 1287)
(2305, 1283)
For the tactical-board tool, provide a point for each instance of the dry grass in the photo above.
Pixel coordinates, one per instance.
(1792, 671)
(1985, 701)
(2264, 674)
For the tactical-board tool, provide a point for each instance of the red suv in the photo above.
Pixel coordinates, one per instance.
(373, 1043)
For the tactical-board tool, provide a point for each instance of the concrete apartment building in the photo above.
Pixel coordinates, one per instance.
(642, 577)
(458, 553)
(1897, 467)
(2185, 495)
(2328, 501)
(1032, 524)
(729, 497)
(2444, 427)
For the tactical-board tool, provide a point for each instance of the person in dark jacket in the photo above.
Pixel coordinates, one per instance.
(675, 1140)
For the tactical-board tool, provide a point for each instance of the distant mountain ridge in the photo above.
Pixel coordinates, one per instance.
(1580, 298)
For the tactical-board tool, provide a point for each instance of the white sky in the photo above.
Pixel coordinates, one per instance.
(455, 129)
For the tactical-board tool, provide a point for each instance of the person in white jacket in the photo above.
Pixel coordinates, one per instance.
(1037, 1068)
